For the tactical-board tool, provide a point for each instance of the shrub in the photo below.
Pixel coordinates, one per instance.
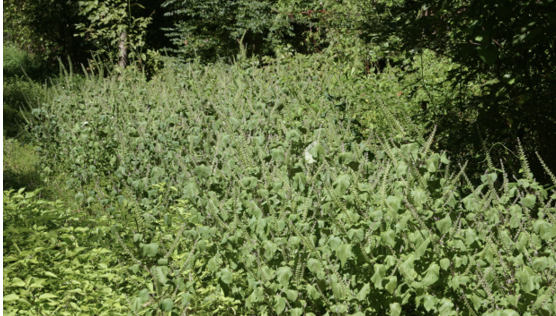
(253, 190)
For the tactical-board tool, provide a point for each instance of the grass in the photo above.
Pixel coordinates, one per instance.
(20, 165)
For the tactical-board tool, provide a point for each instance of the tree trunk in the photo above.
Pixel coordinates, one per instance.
(123, 51)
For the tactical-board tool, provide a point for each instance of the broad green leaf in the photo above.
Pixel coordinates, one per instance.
(445, 307)
(46, 296)
(292, 295)
(150, 250)
(342, 183)
(339, 309)
(364, 292)
(278, 154)
(422, 249)
(284, 274)
(419, 196)
(10, 297)
(395, 309)
(509, 312)
(388, 237)
(317, 151)
(166, 305)
(429, 302)
(312, 292)
(191, 190)
(296, 311)
(540, 263)
(378, 276)
(17, 282)
(392, 284)
(161, 273)
(279, 305)
(314, 265)
(162, 262)
(226, 276)
(529, 200)
(432, 164)
(394, 202)
(444, 225)
(432, 274)
(445, 263)
(344, 253)
(345, 158)
(338, 290)
(356, 235)
(410, 150)
(143, 296)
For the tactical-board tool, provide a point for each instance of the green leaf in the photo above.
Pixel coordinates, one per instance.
(50, 274)
(410, 150)
(378, 276)
(429, 302)
(344, 253)
(191, 190)
(419, 196)
(226, 276)
(529, 200)
(338, 290)
(345, 158)
(18, 282)
(143, 296)
(292, 295)
(395, 309)
(422, 249)
(161, 273)
(312, 292)
(278, 154)
(317, 151)
(364, 292)
(342, 183)
(444, 225)
(445, 263)
(394, 202)
(150, 250)
(356, 235)
(279, 305)
(296, 311)
(47, 296)
(314, 265)
(10, 297)
(392, 284)
(284, 274)
(388, 237)
(445, 307)
(166, 305)
(162, 262)
(432, 274)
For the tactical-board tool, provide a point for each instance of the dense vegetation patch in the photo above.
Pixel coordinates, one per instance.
(259, 190)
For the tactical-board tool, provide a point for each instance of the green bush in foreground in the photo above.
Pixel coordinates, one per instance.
(246, 191)
(54, 263)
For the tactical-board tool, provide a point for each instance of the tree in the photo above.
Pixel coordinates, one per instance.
(509, 47)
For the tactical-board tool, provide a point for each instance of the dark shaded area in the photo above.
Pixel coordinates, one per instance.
(509, 49)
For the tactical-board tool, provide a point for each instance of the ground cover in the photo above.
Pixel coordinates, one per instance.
(290, 188)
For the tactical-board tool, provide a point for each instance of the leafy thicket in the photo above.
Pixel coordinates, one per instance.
(253, 190)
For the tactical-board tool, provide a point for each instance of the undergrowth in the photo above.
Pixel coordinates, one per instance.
(294, 188)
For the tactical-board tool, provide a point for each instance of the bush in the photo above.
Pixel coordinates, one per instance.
(54, 261)
(253, 190)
